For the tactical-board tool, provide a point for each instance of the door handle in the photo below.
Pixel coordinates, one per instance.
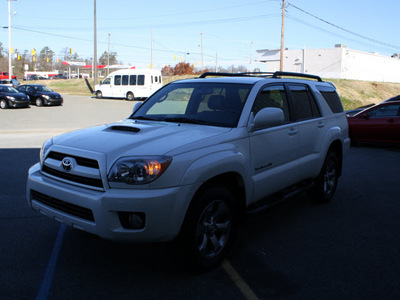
(321, 124)
(293, 131)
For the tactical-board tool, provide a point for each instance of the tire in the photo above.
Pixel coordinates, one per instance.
(209, 228)
(326, 182)
(39, 102)
(130, 96)
(99, 94)
(3, 104)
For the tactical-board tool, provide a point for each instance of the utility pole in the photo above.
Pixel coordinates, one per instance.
(108, 56)
(95, 46)
(152, 45)
(10, 71)
(201, 34)
(282, 34)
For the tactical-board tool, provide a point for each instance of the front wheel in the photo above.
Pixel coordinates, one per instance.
(39, 102)
(99, 94)
(326, 182)
(3, 104)
(209, 227)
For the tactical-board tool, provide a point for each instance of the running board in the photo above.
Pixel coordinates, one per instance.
(279, 197)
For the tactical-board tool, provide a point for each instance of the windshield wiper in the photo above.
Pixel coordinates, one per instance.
(186, 120)
(145, 118)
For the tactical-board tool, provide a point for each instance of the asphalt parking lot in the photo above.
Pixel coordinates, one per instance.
(347, 249)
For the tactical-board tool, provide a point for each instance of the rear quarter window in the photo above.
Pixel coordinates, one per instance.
(332, 98)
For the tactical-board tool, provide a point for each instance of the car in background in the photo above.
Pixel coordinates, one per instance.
(41, 95)
(58, 76)
(10, 97)
(13, 82)
(35, 77)
(396, 98)
(352, 112)
(377, 124)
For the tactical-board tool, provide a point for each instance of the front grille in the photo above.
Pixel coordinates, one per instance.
(55, 169)
(72, 209)
(87, 162)
(75, 178)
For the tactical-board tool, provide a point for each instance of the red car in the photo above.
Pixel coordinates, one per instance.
(378, 124)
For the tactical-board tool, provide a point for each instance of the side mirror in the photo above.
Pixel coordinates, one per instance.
(365, 116)
(268, 117)
(137, 105)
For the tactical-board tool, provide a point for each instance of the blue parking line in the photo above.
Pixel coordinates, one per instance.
(47, 281)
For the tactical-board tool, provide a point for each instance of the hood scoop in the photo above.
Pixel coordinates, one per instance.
(124, 128)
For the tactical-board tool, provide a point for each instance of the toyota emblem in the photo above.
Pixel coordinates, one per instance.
(67, 164)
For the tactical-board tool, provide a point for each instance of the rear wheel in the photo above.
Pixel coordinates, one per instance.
(130, 96)
(39, 102)
(209, 227)
(99, 94)
(326, 182)
(3, 104)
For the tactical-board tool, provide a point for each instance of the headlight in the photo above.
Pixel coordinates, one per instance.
(45, 96)
(46, 145)
(138, 170)
(10, 98)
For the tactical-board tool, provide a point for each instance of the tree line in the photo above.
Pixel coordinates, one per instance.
(46, 60)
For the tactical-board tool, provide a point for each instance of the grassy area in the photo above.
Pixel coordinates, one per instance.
(353, 93)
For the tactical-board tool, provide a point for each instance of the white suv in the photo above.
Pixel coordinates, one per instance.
(193, 159)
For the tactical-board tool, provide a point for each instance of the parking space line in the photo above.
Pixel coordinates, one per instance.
(47, 280)
(238, 280)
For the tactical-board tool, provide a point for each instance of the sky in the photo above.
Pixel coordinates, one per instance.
(226, 32)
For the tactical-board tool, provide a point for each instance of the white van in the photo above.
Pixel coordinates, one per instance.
(130, 84)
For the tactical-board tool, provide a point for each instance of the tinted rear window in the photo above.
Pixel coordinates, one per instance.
(332, 98)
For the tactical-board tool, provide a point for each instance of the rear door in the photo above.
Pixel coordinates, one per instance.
(312, 128)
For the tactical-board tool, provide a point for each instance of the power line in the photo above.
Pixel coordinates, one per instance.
(346, 30)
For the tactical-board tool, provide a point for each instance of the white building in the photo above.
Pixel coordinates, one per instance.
(339, 62)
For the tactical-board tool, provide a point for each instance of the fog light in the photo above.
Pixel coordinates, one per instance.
(132, 220)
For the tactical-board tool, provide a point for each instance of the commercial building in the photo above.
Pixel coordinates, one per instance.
(338, 62)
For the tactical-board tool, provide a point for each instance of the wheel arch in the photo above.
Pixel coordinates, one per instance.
(337, 148)
(232, 181)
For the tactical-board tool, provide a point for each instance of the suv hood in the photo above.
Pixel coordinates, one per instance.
(139, 138)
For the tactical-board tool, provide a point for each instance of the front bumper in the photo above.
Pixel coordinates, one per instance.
(164, 209)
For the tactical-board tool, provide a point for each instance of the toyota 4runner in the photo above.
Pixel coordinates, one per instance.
(193, 158)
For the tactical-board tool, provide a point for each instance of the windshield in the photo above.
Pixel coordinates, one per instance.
(8, 89)
(215, 104)
(40, 88)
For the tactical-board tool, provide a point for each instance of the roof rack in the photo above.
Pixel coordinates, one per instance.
(204, 75)
(279, 74)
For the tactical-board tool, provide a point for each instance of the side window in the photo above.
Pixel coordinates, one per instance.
(386, 111)
(140, 80)
(22, 89)
(132, 80)
(272, 96)
(304, 105)
(159, 79)
(125, 79)
(156, 78)
(151, 79)
(331, 97)
(117, 80)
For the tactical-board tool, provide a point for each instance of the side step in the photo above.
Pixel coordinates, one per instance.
(278, 197)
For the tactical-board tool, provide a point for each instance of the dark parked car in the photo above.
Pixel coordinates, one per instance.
(58, 76)
(377, 124)
(13, 82)
(41, 95)
(10, 97)
(396, 98)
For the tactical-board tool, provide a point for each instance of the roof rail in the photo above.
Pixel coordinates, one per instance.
(204, 75)
(278, 74)
(223, 74)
